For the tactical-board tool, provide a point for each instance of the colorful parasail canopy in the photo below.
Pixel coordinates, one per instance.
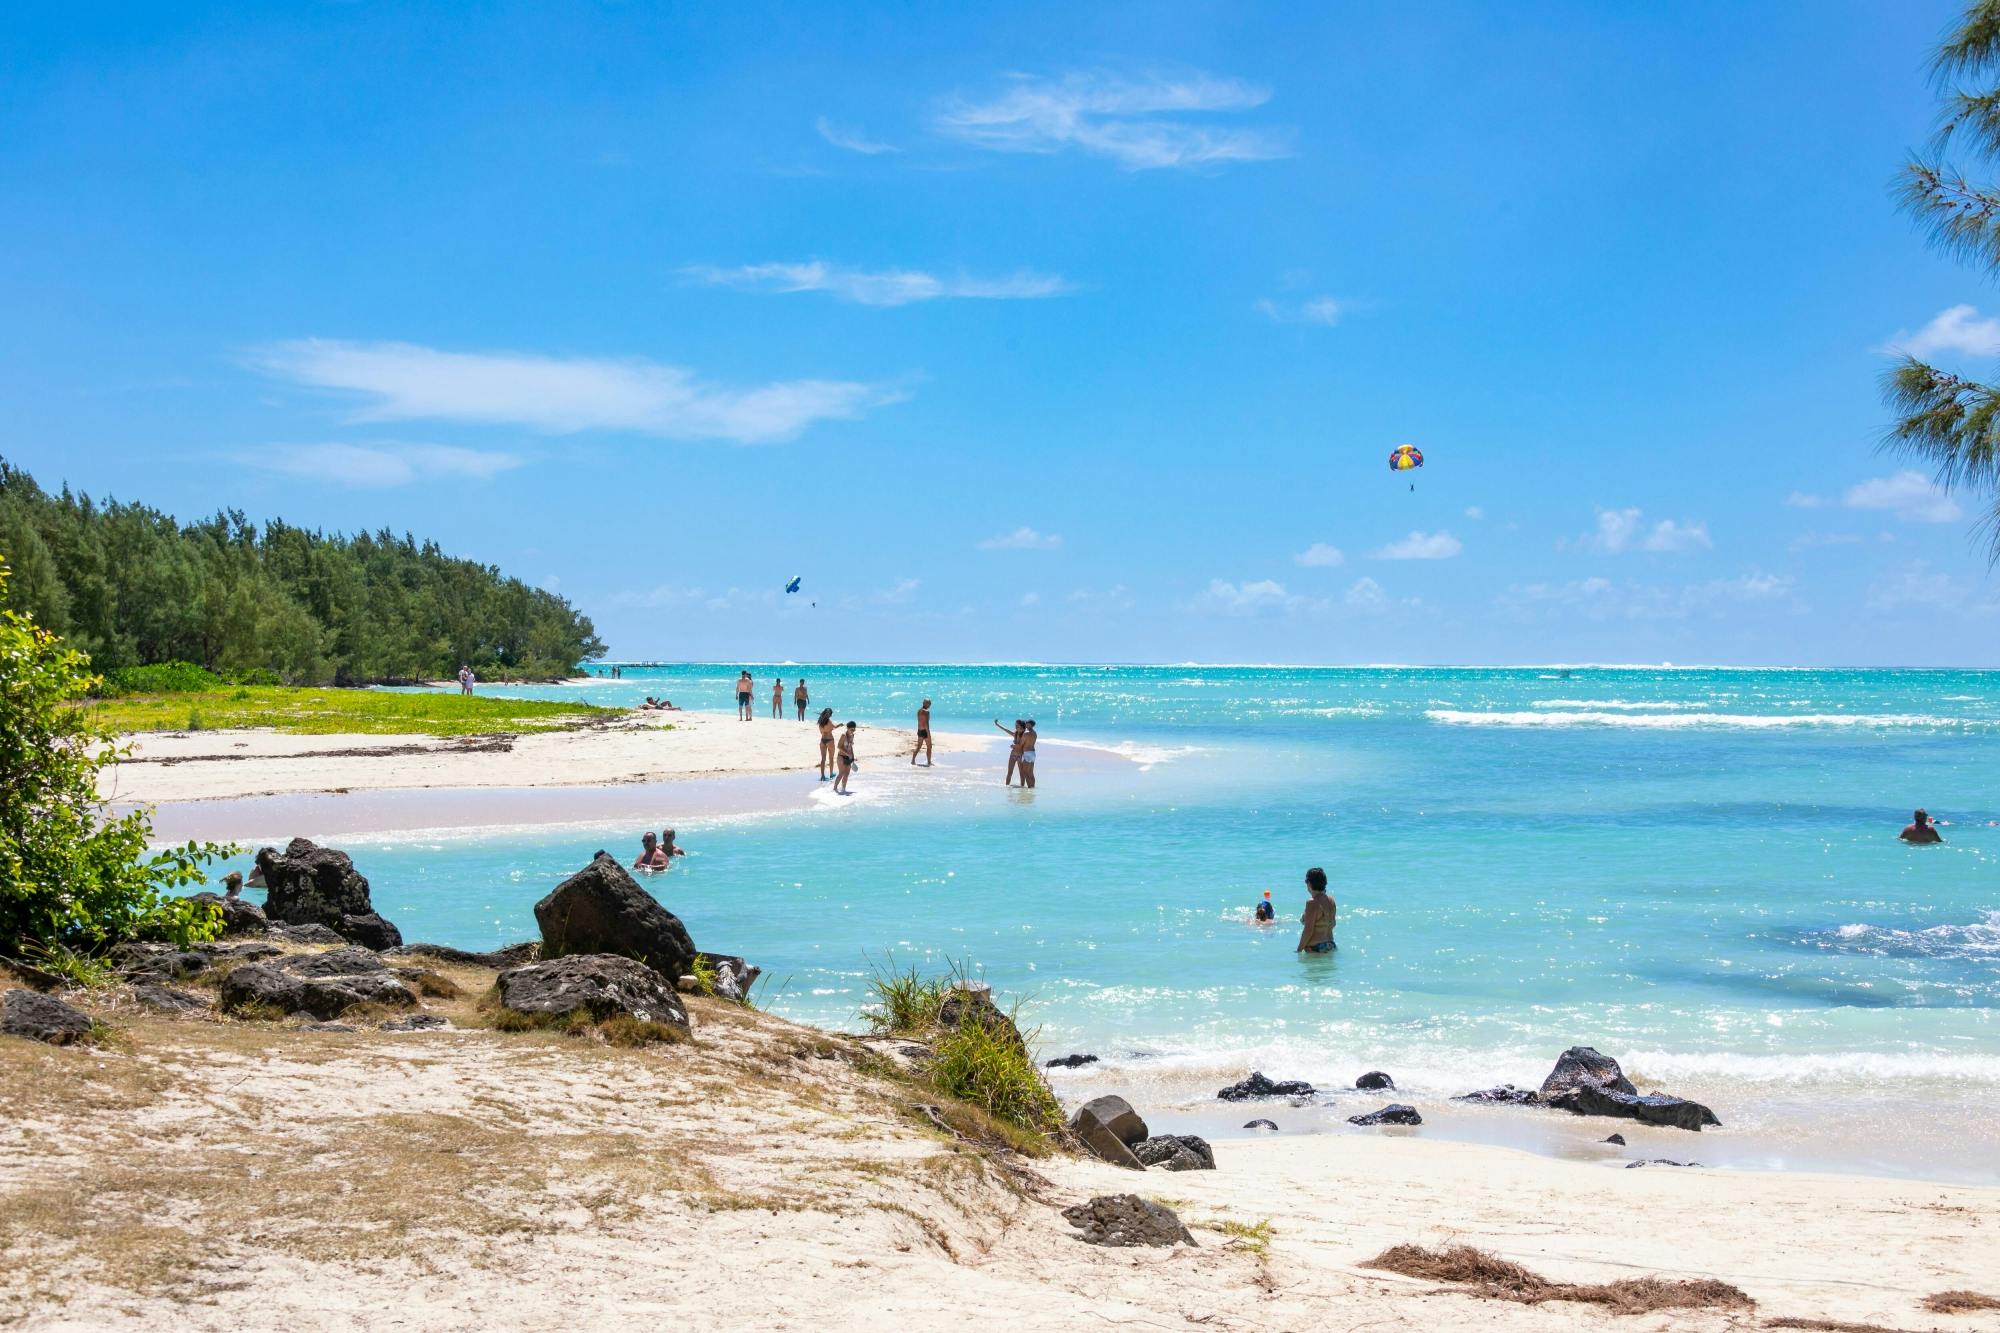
(793, 586)
(1404, 457)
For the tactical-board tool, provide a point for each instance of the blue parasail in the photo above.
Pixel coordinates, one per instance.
(793, 586)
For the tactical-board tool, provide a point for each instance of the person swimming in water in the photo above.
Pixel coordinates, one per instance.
(1265, 912)
(668, 851)
(650, 855)
(1316, 922)
(1920, 829)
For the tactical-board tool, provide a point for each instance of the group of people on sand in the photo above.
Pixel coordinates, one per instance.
(657, 853)
(1316, 922)
(746, 687)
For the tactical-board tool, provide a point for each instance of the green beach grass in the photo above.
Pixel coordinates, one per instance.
(323, 712)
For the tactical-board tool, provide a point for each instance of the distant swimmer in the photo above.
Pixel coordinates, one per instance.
(650, 855)
(1265, 912)
(1920, 829)
(923, 735)
(1316, 923)
(799, 697)
(825, 744)
(846, 757)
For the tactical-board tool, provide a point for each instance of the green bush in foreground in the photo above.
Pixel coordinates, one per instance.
(69, 875)
(984, 1064)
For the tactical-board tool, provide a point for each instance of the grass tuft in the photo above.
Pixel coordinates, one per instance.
(1253, 1237)
(1501, 1279)
(906, 1003)
(989, 1068)
(625, 1030)
(1960, 1302)
(76, 969)
(436, 986)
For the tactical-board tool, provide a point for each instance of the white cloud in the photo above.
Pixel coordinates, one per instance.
(1600, 599)
(1807, 540)
(1022, 539)
(1910, 495)
(882, 286)
(1116, 598)
(1314, 310)
(899, 592)
(1420, 546)
(1319, 556)
(1621, 530)
(378, 464)
(1474, 512)
(854, 141)
(1031, 599)
(1801, 500)
(1128, 119)
(1919, 587)
(1959, 329)
(1365, 594)
(1251, 598)
(560, 395)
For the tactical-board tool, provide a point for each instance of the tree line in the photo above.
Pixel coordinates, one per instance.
(131, 586)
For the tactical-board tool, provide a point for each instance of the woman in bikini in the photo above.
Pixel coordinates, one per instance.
(1014, 750)
(778, 698)
(1027, 761)
(846, 759)
(825, 744)
(923, 735)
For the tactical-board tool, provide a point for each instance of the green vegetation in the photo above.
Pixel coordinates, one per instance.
(1948, 421)
(1255, 1237)
(72, 878)
(129, 586)
(75, 968)
(326, 712)
(983, 1063)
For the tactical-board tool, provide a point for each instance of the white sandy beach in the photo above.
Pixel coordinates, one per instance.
(168, 767)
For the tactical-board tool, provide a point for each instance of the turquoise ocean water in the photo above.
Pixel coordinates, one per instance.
(1694, 870)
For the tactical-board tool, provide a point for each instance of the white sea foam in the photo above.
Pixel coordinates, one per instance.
(1685, 721)
(1620, 705)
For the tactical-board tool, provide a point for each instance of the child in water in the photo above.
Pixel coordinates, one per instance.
(1265, 912)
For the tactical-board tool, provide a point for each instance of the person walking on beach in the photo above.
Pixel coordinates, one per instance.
(825, 744)
(846, 759)
(799, 697)
(1920, 829)
(1316, 923)
(464, 678)
(743, 688)
(1013, 748)
(923, 735)
(1027, 761)
(778, 698)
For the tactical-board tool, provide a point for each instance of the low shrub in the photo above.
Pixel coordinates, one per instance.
(161, 678)
(989, 1068)
(906, 1004)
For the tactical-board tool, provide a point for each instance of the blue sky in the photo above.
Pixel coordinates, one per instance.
(1052, 333)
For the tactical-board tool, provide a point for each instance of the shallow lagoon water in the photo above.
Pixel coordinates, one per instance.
(1695, 871)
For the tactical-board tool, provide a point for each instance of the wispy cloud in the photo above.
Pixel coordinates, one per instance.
(1602, 599)
(1420, 546)
(1365, 594)
(1022, 539)
(1320, 556)
(1475, 513)
(853, 140)
(1621, 530)
(1251, 598)
(561, 395)
(1324, 310)
(1129, 119)
(377, 465)
(1958, 329)
(1909, 495)
(881, 286)
(1919, 587)
(1805, 541)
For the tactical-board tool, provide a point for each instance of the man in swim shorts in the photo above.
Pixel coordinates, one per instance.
(799, 697)
(1316, 922)
(923, 735)
(1920, 829)
(743, 688)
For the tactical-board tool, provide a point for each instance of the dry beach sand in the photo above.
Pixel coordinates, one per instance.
(213, 1174)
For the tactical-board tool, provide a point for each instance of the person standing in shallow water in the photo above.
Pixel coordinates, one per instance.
(923, 735)
(1920, 829)
(1014, 747)
(1027, 760)
(778, 698)
(799, 697)
(1316, 923)
(846, 759)
(825, 744)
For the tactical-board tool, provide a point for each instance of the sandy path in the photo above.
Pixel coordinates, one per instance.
(641, 747)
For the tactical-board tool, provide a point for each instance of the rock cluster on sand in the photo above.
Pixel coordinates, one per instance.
(1127, 1219)
(600, 985)
(26, 1013)
(167, 1000)
(1393, 1114)
(1176, 1152)
(1259, 1086)
(238, 917)
(151, 962)
(1108, 1127)
(324, 985)
(1585, 1081)
(602, 910)
(309, 884)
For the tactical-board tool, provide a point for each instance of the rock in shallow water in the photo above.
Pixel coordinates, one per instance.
(1259, 1086)
(1260, 1124)
(1393, 1114)
(1584, 1065)
(1375, 1081)
(1658, 1161)
(1127, 1219)
(1654, 1108)
(1504, 1095)
(38, 1017)
(1618, 1139)
(1069, 1061)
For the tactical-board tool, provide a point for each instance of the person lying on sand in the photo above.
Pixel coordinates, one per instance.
(1316, 922)
(1920, 829)
(650, 855)
(1265, 912)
